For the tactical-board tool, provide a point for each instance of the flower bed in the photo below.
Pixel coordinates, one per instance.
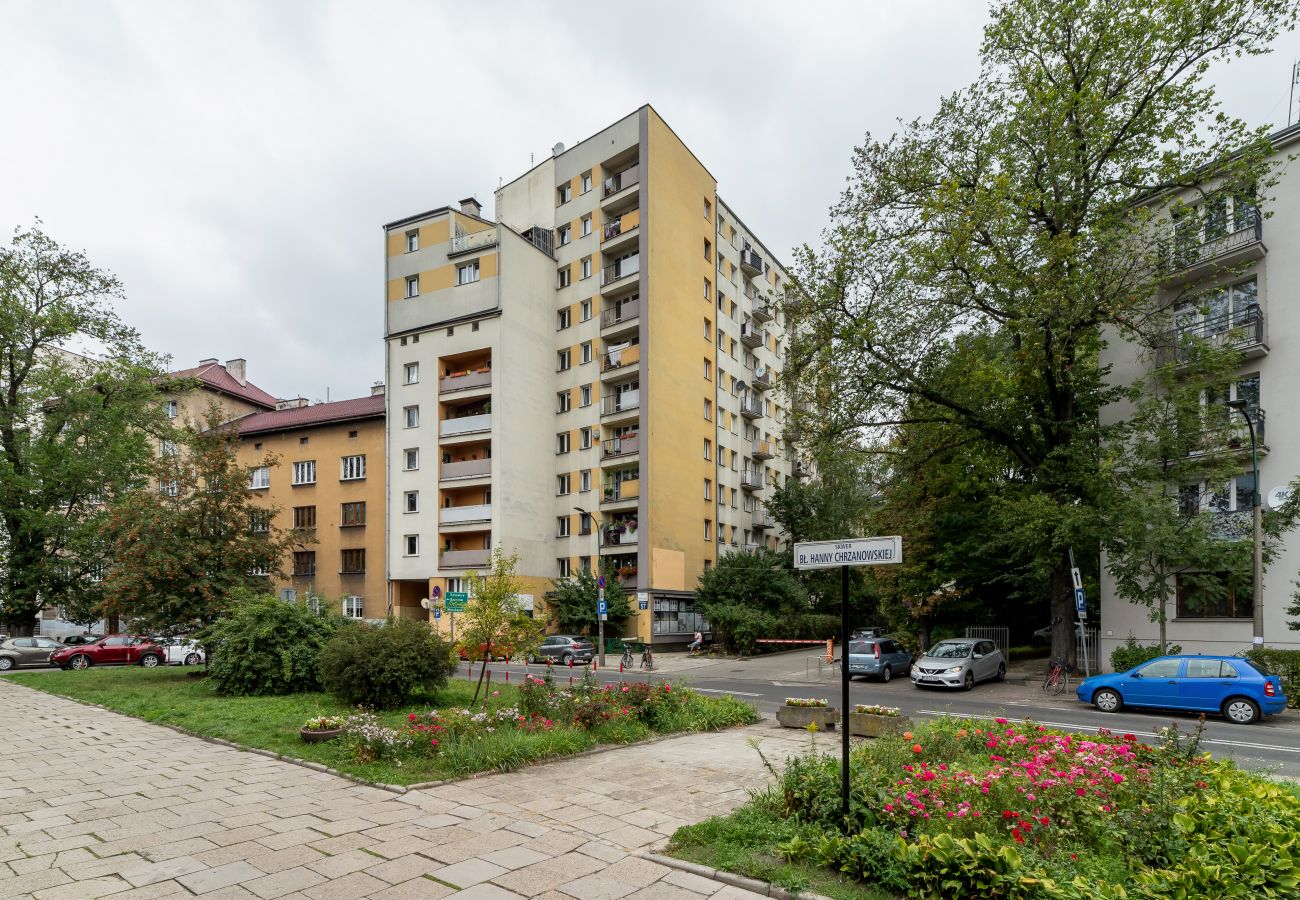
(806, 702)
(804, 712)
(873, 720)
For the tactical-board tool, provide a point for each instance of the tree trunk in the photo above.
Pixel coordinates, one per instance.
(1064, 645)
(923, 634)
(1161, 617)
(487, 655)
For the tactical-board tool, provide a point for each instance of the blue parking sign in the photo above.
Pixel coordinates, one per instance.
(602, 608)
(1079, 604)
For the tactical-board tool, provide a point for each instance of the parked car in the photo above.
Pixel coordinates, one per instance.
(870, 631)
(959, 662)
(114, 650)
(77, 640)
(1241, 690)
(26, 651)
(181, 651)
(878, 657)
(564, 649)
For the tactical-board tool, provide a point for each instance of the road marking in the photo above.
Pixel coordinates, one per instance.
(1073, 727)
(720, 691)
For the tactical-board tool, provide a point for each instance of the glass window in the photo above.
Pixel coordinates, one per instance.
(352, 562)
(304, 517)
(351, 514)
(413, 286)
(1209, 668)
(352, 607)
(412, 460)
(412, 241)
(1161, 668)
(412, 501)
(412, 373)
(257, 479)
(412, 416)
(468, 273)
(304, 472)
(353, 467)
(412, 544)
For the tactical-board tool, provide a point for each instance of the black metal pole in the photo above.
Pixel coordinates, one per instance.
(844, 693)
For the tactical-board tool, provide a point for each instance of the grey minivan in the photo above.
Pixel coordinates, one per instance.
(878, 657)
(959, 662)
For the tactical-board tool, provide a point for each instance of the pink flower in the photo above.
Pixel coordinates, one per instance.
(1000, 721)
(889, 807)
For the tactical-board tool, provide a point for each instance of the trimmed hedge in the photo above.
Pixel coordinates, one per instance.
(380, 666)
(1133, 654)
(1286, 665)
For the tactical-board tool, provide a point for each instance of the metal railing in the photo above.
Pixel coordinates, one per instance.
(751, 479)
(751, 407)
(762, 378)
(763, 450)
(998, 634)
(1186, 255)
(750, 261)
(1232, 525)
(625, 179)
(752, 335)
(1232, 433)
(627, 489)
(619, 313)
(620, 269)
(617, 403)
(1239, 330)
(475, 240)
(625, 356)
(621, 446)
(625, 222)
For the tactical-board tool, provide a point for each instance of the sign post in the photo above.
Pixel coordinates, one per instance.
(601, 612)
(457, 601)
(1081, 609)
(875, 551)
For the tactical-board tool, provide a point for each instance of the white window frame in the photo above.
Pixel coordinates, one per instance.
(584, 480)
(353, 607)
(563, 235)
(563, 278)
(585, 440)
(564, 193)
(411, 501)
(410, 545)
(412, 286)
(586, 222)
(171, 409)
(467, 273)
(586, 352)
(259, 479)
(564, 568)
(565, 319)
(586, 273)
(304, 471)
(586, 182)
(586, 308)
(562, 442)
(586, 395)
(564, 403)
(352, 468)
(412, 415)
(413, 373)
(412, 241)
(411, 459)
(565, 359)
(563, 526)
(562, 485)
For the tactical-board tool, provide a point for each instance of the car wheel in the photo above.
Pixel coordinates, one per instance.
(80, 661)
(969, 681)
(566, 659)
(193, 659)
(1002, 672)
(6, 663)
(149, 660)
(1241, 710)
(886, 675)
(1107, 700)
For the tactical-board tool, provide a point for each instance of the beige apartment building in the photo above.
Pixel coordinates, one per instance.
(586, 378)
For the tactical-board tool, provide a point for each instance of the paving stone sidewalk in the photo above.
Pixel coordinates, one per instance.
(96, 804)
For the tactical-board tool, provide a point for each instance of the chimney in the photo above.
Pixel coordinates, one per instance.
(293, 403)
(238, 369)
(470, 207)
(377, 389)
(207, 362)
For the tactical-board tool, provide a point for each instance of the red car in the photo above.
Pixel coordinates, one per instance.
(114, 650)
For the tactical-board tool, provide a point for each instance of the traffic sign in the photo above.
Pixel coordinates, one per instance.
(457, 601)
(873, 551)
(1079, 604)
(602, 607)
(437, 613)
(600, 582)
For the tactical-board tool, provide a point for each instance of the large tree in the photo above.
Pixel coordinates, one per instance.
(77, 429)
(571, 603)
(1024, 219)
(750, 596)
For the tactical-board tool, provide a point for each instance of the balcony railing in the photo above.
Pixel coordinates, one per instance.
(613, 537)
(465, 425)
(627, 489)
(464, 559)
(621, 446)
(467, 468)
(763, 450)
(621, 269)
(1232, 434)
(1232, 525)
(763, 310)
(750, 262)
(752, 335)
(465, 381)
(751, 407)
(762, 378)
(622, 224)
(800, 469)
(1190, 261)
(617, 403)
(475, 240)
(762, 520)
(751, 480)
(1242, 331)
(624, 179)
(619, 313)
(617, 359)
(461, 515)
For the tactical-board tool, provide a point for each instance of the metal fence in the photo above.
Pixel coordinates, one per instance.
(1092, 655)
(998, 634)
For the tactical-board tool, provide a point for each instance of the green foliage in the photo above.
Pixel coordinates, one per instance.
(1131, 653)
(1286, 665)
(748, 596)
(266, 646)
(76, 432)
(571, 603)
(382, 666)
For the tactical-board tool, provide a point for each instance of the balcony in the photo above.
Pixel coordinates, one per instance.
(751, 406)
(622, 358)
(751, 480)
(763, 450)
(465, 515)
(620, 491)
(620, 232)
(764, 310)
(468, 243)
(621, 313)
(1243, 332)
(464, 381)
(618, 535)
(465, 425)
(1190, 262)
(752, 335)
(762, 378)
(1232, 435)
(750, 262)
(620, 274)
(468, 468)
(762, 521)
(464, 559)
(626, 401)
(1232, 525)
(800, 469)
(626, 445)
(614, 187)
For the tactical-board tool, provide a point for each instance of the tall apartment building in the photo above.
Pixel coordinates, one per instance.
(586, 379)
(328, 485)
(1237, 282)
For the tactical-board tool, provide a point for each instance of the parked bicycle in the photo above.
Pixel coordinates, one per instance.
(647, 658)
(626, 661)
(1057, 678)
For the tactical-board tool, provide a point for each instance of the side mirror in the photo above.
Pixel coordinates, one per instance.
(1136, 675)
(979, 656)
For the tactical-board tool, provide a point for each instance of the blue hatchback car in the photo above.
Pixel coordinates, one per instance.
(1240, 689)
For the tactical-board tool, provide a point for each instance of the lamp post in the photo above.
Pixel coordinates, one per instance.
(1257, 585)
(600, 578)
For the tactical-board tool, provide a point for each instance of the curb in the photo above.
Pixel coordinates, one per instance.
(744, 882)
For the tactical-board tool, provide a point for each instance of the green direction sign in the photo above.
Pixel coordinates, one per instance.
(456, 601)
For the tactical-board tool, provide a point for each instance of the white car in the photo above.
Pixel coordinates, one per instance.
(182, 652)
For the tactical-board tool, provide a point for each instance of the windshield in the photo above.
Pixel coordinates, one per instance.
(859, 647)
(949, 651)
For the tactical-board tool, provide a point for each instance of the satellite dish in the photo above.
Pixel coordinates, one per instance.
(1278, 495)
(557, 149)
(425, 602)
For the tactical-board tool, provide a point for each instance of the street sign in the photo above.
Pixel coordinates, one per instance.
(873, 551)
(437, 613)
(457, 601)
(600, 582)
(1079, 604)
(602, 607)
(642, 600)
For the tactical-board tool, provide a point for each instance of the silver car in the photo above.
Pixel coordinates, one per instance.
(26, 651)
(878, 657)
(959, 663)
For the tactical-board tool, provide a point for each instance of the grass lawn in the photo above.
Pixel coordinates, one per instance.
(169, 696)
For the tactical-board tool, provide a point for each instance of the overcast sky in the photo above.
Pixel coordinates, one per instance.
(233, 162)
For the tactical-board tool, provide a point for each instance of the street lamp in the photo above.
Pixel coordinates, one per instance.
(1257, 586)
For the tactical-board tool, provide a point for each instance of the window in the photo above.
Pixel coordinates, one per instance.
(171, 409)
(1214, 595)
(412, 373)
(563, 235)
(412, 501)
(584, 524)
(259, 521)
(562, 524)
(562, 442)
(565, 318)
(302, 441)
(708, 370)
(586, 273)
(412, 286)
(352, 514)
(586, 310)
(708, 330)
(169, 448)
(257, 479)
(412, 414)
(586, 395)
(708, 289)
(304, 517)
(562, 566)
(1210, 668)
(585, 435)
(584, 479)
(352, 562)
(584, 563)
(412, 241)
(708, 449)
(708, 250)
(708, 489)
(412, 459)
(586, 221)
(586, 352)
(563, 194)
(722, 225)
(468, 273)
(562, 485)
(708, 208)
(708, 529)
(563, 277)
(304, 472)
(304, 562)
(565, 360)
(411, 544)
(586, 182)
(562, 405)
(352, 606)
(352, 468)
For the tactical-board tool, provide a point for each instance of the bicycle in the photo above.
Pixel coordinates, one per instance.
(647, 659)
(1057, 678)
(626, 661)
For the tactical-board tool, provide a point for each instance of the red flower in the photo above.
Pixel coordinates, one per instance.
(1019, 838)
(1131, 738)
(916, 748)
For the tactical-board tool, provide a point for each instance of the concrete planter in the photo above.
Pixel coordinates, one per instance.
(825, 717)
(874, 726)
(318, 736)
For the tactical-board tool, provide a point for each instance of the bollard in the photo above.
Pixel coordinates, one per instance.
(570, 681)
(830, 650)
(507, 676)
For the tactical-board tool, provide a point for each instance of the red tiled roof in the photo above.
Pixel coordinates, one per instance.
(215, 376)
(317, 414)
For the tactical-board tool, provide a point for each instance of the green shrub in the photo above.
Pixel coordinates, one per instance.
(740, 627)
(1286, 665)
(1133, 654)
(266, 646)
(381, 666)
